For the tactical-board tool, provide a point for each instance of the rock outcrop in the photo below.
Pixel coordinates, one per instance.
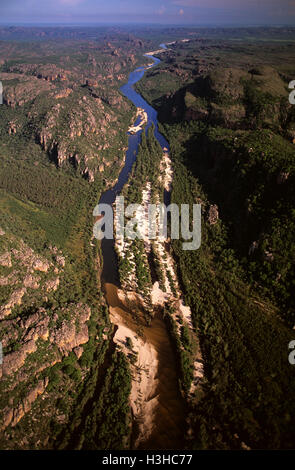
(13, 416)
(213, 214)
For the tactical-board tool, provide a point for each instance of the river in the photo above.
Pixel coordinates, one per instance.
(110, 272)
(166, 429)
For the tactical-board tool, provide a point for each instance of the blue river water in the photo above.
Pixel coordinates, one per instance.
(110, 271)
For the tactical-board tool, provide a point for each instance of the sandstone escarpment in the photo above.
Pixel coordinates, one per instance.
(20, 89)
(34, 339)
(80, 136)
(72, 106)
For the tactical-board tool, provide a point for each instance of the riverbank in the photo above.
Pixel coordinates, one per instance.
(143, 120)
(157, 408)
(137, 309)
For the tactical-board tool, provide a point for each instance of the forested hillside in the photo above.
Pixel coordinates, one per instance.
(224, 110)
(223, 315)
(63, 131)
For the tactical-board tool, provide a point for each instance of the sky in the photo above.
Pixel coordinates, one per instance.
(148, 11)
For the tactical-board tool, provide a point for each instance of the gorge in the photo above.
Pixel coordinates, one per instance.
(156, 403)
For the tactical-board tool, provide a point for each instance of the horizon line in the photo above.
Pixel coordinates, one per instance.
(116, 23)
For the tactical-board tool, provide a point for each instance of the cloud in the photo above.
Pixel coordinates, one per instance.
(223, 3)
(268, 8)
(189, 3)
(161, 10)
(71, 2)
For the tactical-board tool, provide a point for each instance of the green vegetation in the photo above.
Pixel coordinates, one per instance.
(55, 162)
(223, 103)
(228, 126)
(145, 170)
(183, 350)
(108, 423)
(244, 343)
